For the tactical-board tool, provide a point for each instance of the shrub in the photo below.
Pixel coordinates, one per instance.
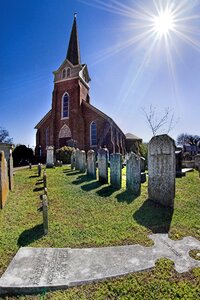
(64, 154)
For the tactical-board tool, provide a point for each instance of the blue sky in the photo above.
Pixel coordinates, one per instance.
(34, 41)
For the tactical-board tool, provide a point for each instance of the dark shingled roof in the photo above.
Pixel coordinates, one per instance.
(73, 52)
(130, 136)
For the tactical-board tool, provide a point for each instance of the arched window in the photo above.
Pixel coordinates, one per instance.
(93, 134)
(64, 73)
(65, 106)
(68, 72)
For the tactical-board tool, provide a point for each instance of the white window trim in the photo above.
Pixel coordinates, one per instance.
(91, 145)
(64, 118)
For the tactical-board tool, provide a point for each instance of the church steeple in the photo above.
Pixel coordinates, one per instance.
(73, 52)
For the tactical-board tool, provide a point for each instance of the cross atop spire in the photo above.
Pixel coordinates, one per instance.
(73, 52)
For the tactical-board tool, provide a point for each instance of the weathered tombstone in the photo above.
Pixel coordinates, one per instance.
(133, 174)
(10, 172)
(91, 164)
(30, 166)
(45, 213)
(77, 153)
(50, 157)
(4, 184)
(116, 170)
(162, 170)
(82, 161)
(73, 160)
(39, 169)
(45, 191)
(7, 149)
(103, 165)
(45, 179)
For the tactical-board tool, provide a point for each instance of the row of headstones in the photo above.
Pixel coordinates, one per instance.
(6, 177)
(133, 176)
(44, 200)
(161, 169)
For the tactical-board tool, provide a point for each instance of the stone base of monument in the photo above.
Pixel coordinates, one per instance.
(49, 165)
(35, 270)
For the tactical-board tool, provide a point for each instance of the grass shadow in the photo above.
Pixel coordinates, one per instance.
(41, 181)
(106, 191)
(71, 173)
(91, 186)
(155, 217)
(126, 196)
(33, 176)
(80, 179)
(38, 189)
(30, 235)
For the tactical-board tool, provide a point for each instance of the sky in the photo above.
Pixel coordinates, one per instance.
(140, 53)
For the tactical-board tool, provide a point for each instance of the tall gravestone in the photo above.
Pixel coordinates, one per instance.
(73, 160)
(133, 174)
(45, 214)
(77, 153)
(4, 183)
(82, 161)
(116, 170)
(103, 165)
(10, 172)
(162, 170)
(50, 157)
(91, 164)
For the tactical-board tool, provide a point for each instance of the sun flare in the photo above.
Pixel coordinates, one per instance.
(163, 23)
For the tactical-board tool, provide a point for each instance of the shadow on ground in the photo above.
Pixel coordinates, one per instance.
(126, 196)
(39, 182)
(33, 176)
(81, 179)
(91, 186)
(155, 217)
(38, 189)
(106, 191)
(30, 235)
(71, 172)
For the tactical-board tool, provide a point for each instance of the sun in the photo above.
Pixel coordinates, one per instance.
(163, 23)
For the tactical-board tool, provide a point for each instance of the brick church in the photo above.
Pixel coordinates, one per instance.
(73, 120)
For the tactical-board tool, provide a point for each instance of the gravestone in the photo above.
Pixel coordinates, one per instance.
(91, 164)
(10, 172)
(178, 156)
(45, 213)
(133, 174)
(116, 170)
(161, 170)
(50, 157)
(103, 165)
(77, 153)
(82, 161)
(7, 149)
(73, 160)
(4, 183)
(39, 169)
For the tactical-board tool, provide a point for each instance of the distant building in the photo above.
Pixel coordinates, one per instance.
(72, 119)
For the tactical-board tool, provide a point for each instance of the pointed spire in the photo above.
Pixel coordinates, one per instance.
(73, 52)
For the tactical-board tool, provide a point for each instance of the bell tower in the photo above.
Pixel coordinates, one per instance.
(71, 88)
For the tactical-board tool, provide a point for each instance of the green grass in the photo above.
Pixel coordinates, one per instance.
(83, 213)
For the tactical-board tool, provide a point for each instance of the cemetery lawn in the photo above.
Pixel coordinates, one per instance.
(83, 213)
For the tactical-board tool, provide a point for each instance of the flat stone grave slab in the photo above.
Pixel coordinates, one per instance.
(34, 270)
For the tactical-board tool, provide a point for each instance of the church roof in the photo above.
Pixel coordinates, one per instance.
(130, 136)
(73, 52)
(99, 112)
(43, 120)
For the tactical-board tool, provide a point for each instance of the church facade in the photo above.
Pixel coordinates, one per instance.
(73, 120)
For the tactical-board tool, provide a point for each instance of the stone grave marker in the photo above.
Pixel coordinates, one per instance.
(103, 165)
(77, 153)
(45, 214)
(133, 174)
(91, 164)
(73, 160)
(4, 183)
(10, 172)
(50, 157)
(116, 170)
(162, 170)
(45, 179)
(82, 161)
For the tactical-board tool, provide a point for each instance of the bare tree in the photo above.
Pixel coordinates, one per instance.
(159, 123)
(4, 136)
(185, 138)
